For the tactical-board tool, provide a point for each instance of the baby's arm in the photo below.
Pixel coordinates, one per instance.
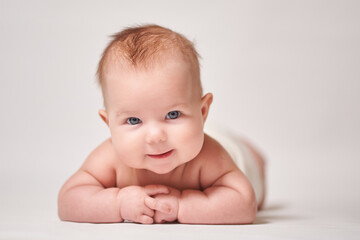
(222, 203)
(228, 197)
(91, 195)
(82, 198)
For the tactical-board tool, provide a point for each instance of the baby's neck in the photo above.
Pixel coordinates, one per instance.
(146, 177)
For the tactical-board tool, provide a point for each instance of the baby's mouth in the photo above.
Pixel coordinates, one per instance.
(161, 155)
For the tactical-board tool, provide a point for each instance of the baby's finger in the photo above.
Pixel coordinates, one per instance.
(159, 219)
(145, 219)
(156, 189)
(156, 205)
(148, 212)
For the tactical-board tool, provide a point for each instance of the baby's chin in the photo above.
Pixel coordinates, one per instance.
(162, 171)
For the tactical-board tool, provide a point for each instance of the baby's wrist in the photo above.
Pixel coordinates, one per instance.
(178, 208)
(118, 203)
(178, 198)
(179, 205)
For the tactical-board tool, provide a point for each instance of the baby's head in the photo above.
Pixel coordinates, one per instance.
(150, 79)
(144, 48)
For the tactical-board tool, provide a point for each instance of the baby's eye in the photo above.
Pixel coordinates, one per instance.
(173, 115)
(133, 121)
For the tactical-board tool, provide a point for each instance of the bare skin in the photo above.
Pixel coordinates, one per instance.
(204, 190)
(158, 166)
(260, 162)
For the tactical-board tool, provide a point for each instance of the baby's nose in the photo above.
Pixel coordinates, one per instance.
(156, 134)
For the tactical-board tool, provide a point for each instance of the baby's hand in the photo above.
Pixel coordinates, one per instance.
(170, 200)
(132, 202)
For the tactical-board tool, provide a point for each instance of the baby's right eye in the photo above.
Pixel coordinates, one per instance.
(133, 121)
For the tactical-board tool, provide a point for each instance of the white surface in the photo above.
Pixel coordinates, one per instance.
(280, 220)
(283, 73)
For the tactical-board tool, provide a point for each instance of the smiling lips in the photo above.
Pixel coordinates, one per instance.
(162, 155)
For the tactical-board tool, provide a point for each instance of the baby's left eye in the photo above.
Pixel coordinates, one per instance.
(173, 115)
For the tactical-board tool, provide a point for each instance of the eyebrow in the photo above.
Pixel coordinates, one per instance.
(135, 113)
(176, 105)
(129, 113)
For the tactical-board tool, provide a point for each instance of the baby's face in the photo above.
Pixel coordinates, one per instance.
(155, 116)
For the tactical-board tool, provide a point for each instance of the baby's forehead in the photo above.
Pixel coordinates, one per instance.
(117, 56)
(118, 64)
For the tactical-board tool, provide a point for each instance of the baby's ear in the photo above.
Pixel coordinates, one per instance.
(205, 105)
(104, 116)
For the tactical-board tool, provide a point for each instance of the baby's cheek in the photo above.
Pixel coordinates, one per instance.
(125, 147)
(193, 138)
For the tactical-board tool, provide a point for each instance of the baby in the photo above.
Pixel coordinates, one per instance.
(158, 165)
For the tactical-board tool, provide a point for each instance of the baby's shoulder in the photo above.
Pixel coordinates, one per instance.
(215, 162)
(102, 163)
(213, 153)
(103, 155)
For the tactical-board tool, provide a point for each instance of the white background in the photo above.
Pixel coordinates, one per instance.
(285, 74)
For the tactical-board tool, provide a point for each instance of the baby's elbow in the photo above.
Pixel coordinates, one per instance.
(62, 215)
(250, 214)
(65, 205)
(62, 212)
(248, 210)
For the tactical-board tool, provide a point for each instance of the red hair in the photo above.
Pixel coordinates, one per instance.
(143, 46)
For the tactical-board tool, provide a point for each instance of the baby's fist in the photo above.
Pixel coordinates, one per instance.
(171, 200)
